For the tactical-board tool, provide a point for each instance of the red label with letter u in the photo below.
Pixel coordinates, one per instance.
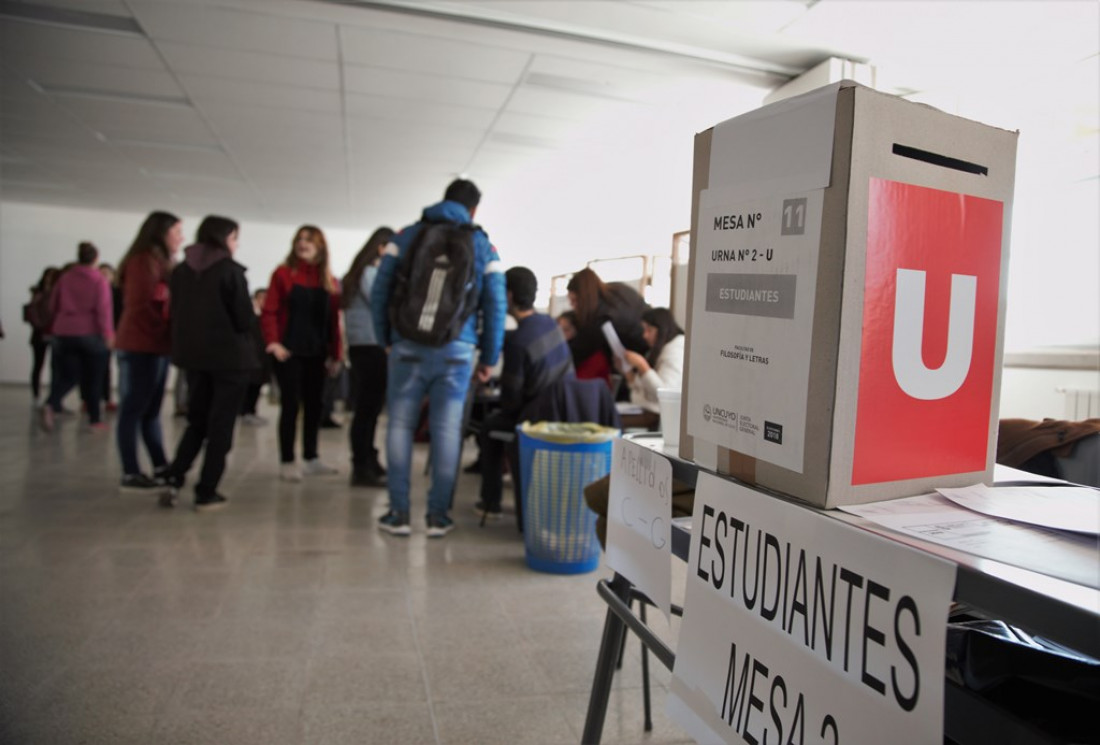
(929, 333)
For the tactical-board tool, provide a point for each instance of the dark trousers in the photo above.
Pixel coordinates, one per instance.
(368, 383)
(78, 360)
(492, 456)
(301, 385)
(141, 381)
(251, 398)
(107, 378)
(214, 400)
(39, 345)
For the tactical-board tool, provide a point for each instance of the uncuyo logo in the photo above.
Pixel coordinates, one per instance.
(706, 412)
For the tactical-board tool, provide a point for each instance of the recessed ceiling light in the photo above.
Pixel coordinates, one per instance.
(178, 176)
(67, 18)
(184, 146)
(92, 94)
(51, 185)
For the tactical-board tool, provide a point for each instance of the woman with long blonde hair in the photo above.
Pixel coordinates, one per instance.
(301, 328)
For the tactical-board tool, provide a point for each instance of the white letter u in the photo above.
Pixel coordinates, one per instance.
(909, 369)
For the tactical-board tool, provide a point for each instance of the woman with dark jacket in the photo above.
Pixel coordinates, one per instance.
(143, 343)
(212, 320)
(38, 316)
(368, 361)
(594, 303)
(301, 325)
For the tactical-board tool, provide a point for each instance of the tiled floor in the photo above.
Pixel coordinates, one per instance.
(285, 618)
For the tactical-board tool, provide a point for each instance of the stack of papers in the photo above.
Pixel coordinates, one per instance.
(1049, 526)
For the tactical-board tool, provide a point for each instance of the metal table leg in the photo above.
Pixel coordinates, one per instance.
(614, 634)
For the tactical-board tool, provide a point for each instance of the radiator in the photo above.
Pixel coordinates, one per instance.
(1081, 404)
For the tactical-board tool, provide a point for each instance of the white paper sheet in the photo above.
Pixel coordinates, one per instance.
(616, 344)
(1006, 475)
(639, 520)
(1073, 508)
(932, 517)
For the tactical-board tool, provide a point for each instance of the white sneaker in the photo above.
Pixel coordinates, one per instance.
(290, 472)
(253, 420)
(315, 467)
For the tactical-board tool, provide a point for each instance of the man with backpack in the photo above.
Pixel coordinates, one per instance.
(437, 279)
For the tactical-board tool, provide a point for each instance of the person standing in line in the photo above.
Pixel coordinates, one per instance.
(440, 372)
(263, 374)
(143, 344)
(109, 274)
(536, 356)
(83, 331)
(368, 361)
(37, 313)
(301, 326)
(212, 323)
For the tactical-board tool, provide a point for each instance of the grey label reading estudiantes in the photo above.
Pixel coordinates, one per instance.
(770, 295)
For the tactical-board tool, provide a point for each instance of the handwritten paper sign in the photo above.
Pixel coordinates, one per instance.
(639, 520)
(799, 628)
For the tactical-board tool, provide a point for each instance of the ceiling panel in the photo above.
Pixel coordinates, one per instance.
(257, 122)
(204, 89)
(396, 109)
(227, 28)
(27, 40)
(399, 84)
(67, 151)
(545, 127)
(168, 160)
(252, 66)
(578, 107)
(410, 150)
(432, 55)
(374, 132)
(153, 123)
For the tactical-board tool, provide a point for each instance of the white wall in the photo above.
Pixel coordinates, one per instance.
(33, 237)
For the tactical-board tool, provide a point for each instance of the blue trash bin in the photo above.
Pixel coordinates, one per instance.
(559, 530)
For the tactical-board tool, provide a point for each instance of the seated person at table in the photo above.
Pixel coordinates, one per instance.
(535, 356)
(661, 367)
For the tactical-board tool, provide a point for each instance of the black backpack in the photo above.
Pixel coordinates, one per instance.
(435, 286)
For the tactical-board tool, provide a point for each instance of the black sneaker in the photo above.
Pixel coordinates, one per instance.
(490, 513)
(209, 502)
(137, 483)
(367, 476)
(395, 523)
(170, 485)
(439, 526)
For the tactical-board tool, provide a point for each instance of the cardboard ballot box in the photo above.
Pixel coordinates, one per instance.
(847, 280)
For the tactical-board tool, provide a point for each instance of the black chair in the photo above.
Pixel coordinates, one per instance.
(570, 399)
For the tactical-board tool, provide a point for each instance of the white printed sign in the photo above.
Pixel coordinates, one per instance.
(755, 282)
(800, 628)
(639, 520)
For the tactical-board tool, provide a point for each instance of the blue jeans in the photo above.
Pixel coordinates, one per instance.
(443, 374)
(141, 379)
